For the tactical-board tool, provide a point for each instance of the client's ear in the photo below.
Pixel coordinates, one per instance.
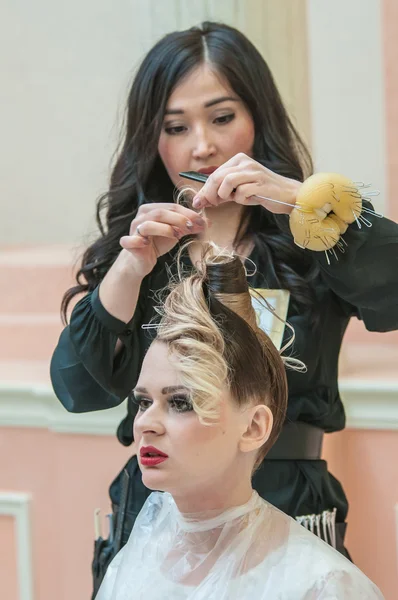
(258, 428)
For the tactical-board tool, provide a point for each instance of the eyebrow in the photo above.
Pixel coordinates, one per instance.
(179, 111)
(166, 390)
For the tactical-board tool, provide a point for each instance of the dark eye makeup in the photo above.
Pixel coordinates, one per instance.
(179, 403)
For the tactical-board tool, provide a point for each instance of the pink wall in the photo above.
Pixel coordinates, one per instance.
(67, 477)
(366, 463)
(8, 559)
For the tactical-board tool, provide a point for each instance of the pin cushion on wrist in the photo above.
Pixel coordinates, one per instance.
(326, 204)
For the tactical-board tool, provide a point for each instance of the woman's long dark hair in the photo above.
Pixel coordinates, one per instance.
(139, 176)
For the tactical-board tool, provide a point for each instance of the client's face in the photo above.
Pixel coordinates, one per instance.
(176, 453)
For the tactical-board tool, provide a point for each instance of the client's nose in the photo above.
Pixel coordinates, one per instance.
(150, 421)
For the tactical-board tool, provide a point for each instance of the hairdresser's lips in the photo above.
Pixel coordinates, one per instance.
(208, 170)
(151, 456)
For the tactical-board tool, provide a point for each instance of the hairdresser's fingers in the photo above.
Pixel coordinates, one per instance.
(147, 249)
(174, 208)
(250, 195)
(223, 182)
(224, 185)
(246, 194)
(149, 229)
(134, 242)
(208, 194)
(233, 181)
(174, 219)
(233, 190)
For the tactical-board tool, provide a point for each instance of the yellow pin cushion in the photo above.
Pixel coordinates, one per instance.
(326, 204)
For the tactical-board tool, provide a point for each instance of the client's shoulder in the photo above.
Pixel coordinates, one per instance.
(313, 564)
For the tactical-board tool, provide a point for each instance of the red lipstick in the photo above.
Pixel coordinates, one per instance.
(208, 170)
(151, 456)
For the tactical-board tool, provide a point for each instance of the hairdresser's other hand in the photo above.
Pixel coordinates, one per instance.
(160, 226)
(240, 179)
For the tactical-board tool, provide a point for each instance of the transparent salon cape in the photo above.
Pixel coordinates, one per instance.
(252, 551)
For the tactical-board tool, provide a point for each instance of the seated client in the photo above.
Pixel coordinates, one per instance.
(212, 398)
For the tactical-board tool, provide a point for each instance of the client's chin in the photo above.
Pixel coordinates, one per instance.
(155, 478)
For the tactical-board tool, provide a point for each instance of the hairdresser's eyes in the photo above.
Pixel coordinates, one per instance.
(177, 129)
(224, 119)
(181, 403)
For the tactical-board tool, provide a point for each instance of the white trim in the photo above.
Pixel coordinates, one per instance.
(25, 405)
(369, 404)
(17, 505)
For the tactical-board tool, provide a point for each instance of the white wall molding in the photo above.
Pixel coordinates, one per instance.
(24, 405)
(369, 404)
(16, 505)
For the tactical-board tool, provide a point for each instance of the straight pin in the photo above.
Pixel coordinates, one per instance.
(365, 221)
(372, 212)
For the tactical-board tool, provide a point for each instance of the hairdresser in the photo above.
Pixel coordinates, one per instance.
(204, 100)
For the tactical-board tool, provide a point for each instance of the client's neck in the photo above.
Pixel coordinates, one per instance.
(219, 496)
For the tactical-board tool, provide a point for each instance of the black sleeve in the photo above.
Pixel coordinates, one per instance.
(85, 374)
(366, 275)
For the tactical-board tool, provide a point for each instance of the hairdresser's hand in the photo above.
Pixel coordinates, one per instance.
(242, 179)
(156, 229)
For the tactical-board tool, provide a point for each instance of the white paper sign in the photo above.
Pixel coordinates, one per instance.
(267, 319)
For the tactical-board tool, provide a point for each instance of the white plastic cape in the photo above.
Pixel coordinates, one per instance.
(252, 551)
